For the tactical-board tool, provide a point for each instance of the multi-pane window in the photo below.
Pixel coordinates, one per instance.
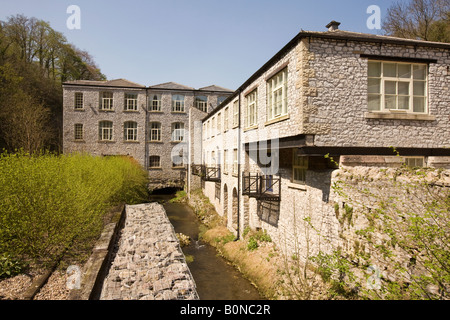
(154, 162)
(155, 102)
(235, 161)
(177, 131)
(177, 103)
(219, 123)
(225, 119)
(299, 168)
(105, 130)
(130, 131)
(78, 131)
(277, 95)
(251, 108)
(155, 131)
(235, 113)
(79, 103)
(397, 86)
(213, 126)
(414, 162)
(225, 161)
(130, 102)
(178, 161)
(201, 103)
(106, 101)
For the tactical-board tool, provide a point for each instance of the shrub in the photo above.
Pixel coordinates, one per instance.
(48, 201)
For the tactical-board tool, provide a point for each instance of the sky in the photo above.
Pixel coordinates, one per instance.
(192, 42)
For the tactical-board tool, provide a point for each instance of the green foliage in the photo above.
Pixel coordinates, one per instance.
(252, 244)
(180, 196)
(10, 266)
(49, 202)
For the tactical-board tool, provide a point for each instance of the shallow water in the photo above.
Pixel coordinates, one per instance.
(215, 279)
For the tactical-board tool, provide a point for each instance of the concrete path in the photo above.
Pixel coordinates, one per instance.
(149, 263)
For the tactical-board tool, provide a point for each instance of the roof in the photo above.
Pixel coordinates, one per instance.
(121, 83)
(215, 88)
(334, 34)
(171, 86)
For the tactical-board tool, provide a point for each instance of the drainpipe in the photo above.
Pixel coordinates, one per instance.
(239, 169)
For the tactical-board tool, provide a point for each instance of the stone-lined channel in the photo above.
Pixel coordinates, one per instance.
(214, 277)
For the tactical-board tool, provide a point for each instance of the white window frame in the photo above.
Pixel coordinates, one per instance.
(177, 131)
(79, 101)
(235, 161)
(107, 101)
(105, 130)
(225, 161)
(219, 123)
(130, 102)
(277, 87)
(130, 131)
(154, 105)
(252, 108)
(201, 103)
(407, 82)
(225, 119)
(155, 131)
(177, 103)
(235, 113)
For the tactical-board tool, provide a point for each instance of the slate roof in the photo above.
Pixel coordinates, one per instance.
(215, 88)
(121, 83)
(171, 86)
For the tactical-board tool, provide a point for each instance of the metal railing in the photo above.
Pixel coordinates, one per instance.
(261, 187)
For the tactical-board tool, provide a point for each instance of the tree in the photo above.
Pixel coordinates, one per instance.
(419, 19)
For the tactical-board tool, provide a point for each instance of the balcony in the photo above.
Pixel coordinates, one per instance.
(261, 187)
(206, 173)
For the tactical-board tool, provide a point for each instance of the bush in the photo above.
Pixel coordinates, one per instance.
(10, 266)
(48, 201)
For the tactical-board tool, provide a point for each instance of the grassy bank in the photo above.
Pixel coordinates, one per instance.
(50, 202)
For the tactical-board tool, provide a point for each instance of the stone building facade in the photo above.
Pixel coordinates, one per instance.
(150, 124)
(326, 99)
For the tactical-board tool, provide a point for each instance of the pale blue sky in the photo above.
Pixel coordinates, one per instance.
(193, 42)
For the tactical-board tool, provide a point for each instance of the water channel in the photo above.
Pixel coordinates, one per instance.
(214, 277)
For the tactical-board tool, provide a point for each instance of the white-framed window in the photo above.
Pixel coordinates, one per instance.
(252, 108)
(201, 103)
(78, 131)
(79, 101)
(219, 123)
(178, 161)
(414, 162)
(225, 119)
(235, 161)
(154, 103)
(397, 86)
(130, 102)
(155, 132)
(299, 168)
(105, 130)
(177, 103)
(235, 113)
(277, 95)
(225, 161)
(106, 101)
(154, 162)
(130, 131)
(213, 126)
(177, 131)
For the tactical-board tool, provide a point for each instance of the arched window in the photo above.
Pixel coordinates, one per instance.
(105, 131)
(155, 131)
(178, 131)
(130, 131)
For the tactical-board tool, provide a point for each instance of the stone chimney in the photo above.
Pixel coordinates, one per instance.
(333, 25)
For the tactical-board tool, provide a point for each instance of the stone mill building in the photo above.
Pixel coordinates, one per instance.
(268, 152)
